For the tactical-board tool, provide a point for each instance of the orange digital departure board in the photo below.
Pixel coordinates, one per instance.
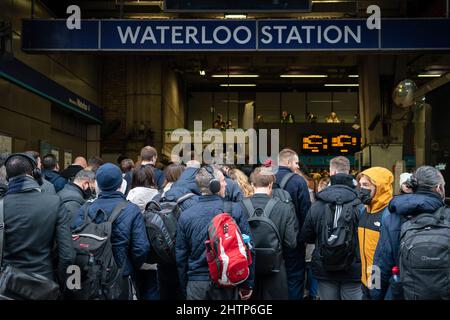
(330, 144)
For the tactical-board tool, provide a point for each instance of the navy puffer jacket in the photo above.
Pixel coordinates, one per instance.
(387, 252)
(184, 185)
(129, 235)
(192, 233)
(55, 178)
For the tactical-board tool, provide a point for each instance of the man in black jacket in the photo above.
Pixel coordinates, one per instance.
(271, 286)
(76, 193)
(298, 190)
(335, 284)
(34, 222)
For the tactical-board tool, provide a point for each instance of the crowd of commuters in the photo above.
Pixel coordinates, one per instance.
(338, 236)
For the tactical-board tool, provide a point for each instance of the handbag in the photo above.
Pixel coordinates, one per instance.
(16, 284)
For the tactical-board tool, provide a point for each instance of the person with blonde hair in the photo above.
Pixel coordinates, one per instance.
(242, 180)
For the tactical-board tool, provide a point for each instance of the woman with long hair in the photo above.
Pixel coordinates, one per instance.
(143, 190)
(242, 180)
(143, 187)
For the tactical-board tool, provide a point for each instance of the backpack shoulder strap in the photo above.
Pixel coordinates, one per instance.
(249, 208)
(185, 197)
(286, 179)
(443, 213)
(86, 212)
(2, 229)
(117, 210)
(269, 207)
(157, 197)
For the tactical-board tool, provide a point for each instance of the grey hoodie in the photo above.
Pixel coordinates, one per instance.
(140, 196)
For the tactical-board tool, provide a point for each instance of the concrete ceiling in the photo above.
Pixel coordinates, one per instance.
(320, 9)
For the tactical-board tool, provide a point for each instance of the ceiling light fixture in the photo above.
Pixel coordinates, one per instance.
(202, 72)
(341, 85)
(235, 16)
(235, 76)
(238, 85)
(353, 75)
(429, 75)
(303, 76)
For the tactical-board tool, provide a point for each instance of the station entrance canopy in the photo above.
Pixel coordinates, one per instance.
(236, 35)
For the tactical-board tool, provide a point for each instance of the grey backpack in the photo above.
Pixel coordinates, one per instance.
(425, 256)
(101, 276)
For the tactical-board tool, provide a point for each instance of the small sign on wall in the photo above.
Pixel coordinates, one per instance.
(67, 158)
(55, 152)
(5, 144)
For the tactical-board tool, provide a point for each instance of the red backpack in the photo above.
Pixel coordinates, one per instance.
(226, 252)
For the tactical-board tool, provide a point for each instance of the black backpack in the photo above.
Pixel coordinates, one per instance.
(338, 243)
(101, 277)
(266, 237)
(161, 220)
(425, 256)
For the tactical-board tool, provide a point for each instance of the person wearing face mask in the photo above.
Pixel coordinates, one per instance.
(376, 191)
(76, 193)
(428, 186)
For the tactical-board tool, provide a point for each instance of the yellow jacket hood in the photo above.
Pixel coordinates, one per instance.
(383, 180)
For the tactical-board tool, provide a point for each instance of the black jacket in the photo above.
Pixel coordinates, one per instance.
(72, 198)
(275, 286)
(298, 189)
(34, 222)
(70, 172)
(344, 190)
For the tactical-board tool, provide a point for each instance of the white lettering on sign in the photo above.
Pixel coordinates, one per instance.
(191, 33)
(327, 37)
(183, 35)
(236, 35)
(148, 35)
(128, 34)
(294, 35)
(310, 34)
(241, 35)
(176, 34)
(227, 33)
(267, 37)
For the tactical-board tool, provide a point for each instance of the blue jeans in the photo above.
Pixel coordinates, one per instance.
(312, 283)
(294, 260)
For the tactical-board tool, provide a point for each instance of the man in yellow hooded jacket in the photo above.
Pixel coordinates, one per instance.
(376, 193)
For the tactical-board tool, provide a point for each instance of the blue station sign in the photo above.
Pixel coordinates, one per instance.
(236, 35)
